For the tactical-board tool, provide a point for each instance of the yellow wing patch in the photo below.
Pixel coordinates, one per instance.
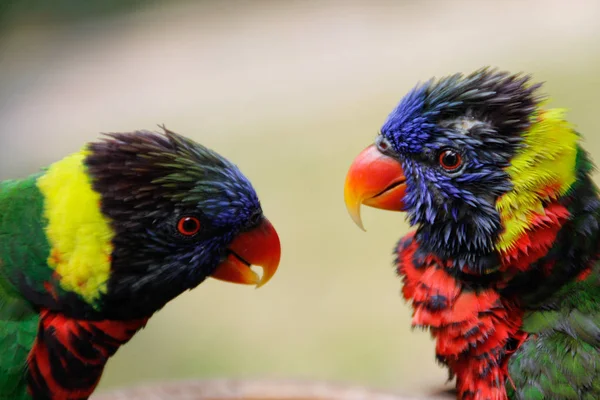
(80, 236)
(542, 171)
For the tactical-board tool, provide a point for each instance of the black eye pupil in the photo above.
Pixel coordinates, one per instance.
(190, 225)
(450, 158)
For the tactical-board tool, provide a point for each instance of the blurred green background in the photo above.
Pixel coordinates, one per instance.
(291, 91)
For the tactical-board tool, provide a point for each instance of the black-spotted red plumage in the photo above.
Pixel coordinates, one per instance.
(503, 265)
(470, 327)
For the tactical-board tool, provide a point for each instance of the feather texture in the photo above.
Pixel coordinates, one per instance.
(90, 249)
(503, 265)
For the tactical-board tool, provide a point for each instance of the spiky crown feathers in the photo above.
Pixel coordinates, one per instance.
(150, 172)
(517, 157)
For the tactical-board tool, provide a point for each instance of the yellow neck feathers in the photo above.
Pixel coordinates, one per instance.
(543, 170)
(80, 237)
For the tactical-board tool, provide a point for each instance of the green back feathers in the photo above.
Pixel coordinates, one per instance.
(562, 357)
(24, 248)
(23, 252)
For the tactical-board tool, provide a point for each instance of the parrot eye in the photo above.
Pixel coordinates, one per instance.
(450, 160)
(188, 226)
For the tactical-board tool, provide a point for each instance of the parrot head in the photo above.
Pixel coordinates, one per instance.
(179, 213)
(127, 224)
(472, 160)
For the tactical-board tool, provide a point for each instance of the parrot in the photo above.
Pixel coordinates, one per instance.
(501, 262)
(94, 244)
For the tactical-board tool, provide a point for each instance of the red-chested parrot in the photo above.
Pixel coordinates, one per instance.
(503, 264)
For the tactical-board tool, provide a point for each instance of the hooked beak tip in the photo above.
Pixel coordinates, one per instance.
(353, 205)
(258, 247)
(358, 221)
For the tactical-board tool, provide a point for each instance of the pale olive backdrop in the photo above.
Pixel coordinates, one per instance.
(291, 91)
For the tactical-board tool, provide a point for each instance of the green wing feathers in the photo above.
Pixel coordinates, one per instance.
(24, 248)
(20, 219)
(16, 340)
(561, 357)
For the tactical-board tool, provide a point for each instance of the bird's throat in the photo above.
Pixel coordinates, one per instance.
(69, 355)
(475, 330)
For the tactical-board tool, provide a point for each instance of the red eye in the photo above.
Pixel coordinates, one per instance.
(450, 160)
(188, 226)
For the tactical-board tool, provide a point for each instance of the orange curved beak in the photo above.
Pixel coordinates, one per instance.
(375, 180)
(260, 247)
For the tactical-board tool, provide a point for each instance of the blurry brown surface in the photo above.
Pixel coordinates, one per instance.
(230, 389)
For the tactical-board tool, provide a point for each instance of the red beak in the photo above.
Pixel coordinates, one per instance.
(375, 180)
(260, 247)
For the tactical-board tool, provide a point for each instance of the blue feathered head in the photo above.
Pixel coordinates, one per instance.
(441, 156)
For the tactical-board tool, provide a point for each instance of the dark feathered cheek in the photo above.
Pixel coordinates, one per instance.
(416, 189)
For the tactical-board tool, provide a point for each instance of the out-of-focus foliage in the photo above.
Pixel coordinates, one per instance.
(15, 12)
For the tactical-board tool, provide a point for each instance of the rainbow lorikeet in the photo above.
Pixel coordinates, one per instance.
(96, 243)
(503, 265)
